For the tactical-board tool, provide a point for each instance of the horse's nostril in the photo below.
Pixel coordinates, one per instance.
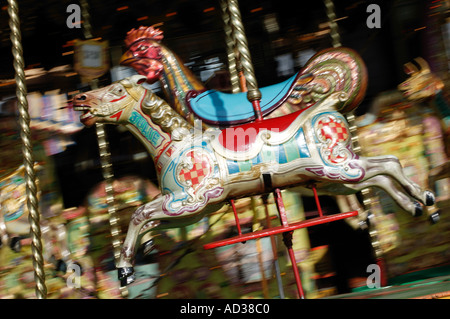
(81, 97)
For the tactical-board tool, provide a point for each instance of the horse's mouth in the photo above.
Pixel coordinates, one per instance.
(87, 115)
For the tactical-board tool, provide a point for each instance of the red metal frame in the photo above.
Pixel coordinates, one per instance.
(319, 208)
(279, 229)
(285, 229)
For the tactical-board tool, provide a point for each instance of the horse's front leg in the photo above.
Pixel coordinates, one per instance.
(386, 183)
(390, 165)
(148, 215)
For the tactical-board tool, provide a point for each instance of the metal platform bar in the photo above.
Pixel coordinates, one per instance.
(280, 229)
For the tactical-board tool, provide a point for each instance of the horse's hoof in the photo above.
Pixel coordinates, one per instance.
(429, 198)
(128, 280)
(418, 210)
(434, 217)
(126, 276)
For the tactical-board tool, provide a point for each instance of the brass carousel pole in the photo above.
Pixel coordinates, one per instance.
(240, 41)
(335, 36)
(231, 48)
(30, 177)
(105, 160)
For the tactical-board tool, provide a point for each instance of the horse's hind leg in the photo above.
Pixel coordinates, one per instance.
(148, 215)
(386, 183)
(390, 165)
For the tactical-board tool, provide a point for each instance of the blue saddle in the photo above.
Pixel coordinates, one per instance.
(214, 107)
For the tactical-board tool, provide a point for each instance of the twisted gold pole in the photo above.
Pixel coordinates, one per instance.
(335, 36)
(105, 160)
(87, 28)
(234, 76)
(108, 175)
(366, 193)
(241, 44)
(30, 177)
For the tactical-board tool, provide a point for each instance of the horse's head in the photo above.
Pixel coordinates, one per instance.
(421, 84)
(109, 104)
(144, 52)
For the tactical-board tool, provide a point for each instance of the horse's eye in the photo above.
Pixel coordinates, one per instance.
(117, 91)
(143, 48)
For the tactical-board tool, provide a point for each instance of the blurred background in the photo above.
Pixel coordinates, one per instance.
(282, 36)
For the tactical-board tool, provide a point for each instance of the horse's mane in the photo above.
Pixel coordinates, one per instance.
(162, 114)
(178, 80)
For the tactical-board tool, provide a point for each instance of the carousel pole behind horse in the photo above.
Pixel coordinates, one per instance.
(24, 122)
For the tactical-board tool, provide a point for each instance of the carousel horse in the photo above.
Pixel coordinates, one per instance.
(198, 171)
(424, 86)
(14, 223)
(329, 71)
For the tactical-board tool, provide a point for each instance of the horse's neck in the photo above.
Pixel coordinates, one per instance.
(177, 81)
(146, 131)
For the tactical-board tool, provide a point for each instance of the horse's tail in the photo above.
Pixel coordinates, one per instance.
(329, 71)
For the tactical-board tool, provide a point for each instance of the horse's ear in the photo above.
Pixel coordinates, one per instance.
(410, 68)
(423, 64)
(137, 79)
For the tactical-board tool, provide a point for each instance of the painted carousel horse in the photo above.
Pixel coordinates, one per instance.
(14, 222)
(424, 86)
(329, 71)
(422, 83)
(198, 171)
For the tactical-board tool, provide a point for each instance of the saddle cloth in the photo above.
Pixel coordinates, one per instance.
(240, 138)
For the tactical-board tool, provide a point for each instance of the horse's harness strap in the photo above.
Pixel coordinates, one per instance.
(267, 180)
